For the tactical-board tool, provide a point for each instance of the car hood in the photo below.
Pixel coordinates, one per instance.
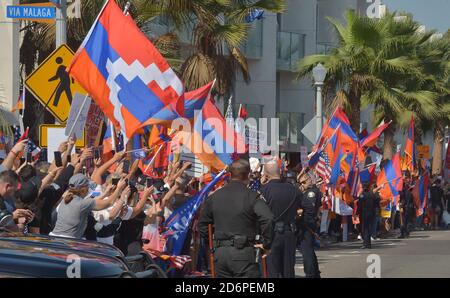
(64, 243)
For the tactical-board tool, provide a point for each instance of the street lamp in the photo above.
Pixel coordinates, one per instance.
(319, 74)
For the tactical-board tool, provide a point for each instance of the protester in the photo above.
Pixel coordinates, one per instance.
(76, 205)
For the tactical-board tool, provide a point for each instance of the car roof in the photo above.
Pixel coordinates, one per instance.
(66, 243)
(44, 259)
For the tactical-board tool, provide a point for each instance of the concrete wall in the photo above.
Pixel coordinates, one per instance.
(262, 89)
(9, 57)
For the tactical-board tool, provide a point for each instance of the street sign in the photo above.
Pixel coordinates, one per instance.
(57, 136)
(309, 131)
(423, 151)
(40, 12)
(52, 85)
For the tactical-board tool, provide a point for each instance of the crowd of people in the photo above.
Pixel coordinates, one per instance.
(113, 202)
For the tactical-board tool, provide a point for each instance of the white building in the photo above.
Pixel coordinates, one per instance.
(274, 47)
(9, 57)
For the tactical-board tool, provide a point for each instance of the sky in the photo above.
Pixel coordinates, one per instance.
(434, 14)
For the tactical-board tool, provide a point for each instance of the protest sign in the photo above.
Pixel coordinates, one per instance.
(78, 115)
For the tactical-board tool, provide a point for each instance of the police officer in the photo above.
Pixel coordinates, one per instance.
(367, 205)
(406, 206)
(283, 199)
(310, 204)
(237, 213)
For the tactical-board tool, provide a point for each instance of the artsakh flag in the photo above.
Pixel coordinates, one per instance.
(410, 150)
(212, 140)
(391, 177)
(125, 74)
(420, 193)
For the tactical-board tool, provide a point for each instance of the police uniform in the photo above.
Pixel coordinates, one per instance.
(406, 202)
(368, 202)
(237, 214)
(284, 200)
(311, 202)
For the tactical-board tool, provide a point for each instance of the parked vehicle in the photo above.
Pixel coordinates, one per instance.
(33, 255)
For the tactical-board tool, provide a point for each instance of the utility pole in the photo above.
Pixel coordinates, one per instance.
(61, 23)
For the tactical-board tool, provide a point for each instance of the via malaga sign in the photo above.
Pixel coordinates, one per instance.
(42, 12)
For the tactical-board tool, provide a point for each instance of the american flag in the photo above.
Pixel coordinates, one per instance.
(33, 148)
(355, 183)
(179, 261)
(323, 168)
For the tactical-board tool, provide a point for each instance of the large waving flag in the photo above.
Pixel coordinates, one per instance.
(124, 73)
(410, 150)
(349, 140)
(193, 100)
(212, 140)
(371, 139)
(391, 177)
(420, 193)
(177, 225)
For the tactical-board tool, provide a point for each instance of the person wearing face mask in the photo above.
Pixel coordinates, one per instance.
(309, 211)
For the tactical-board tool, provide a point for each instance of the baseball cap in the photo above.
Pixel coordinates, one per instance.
(78, 180)
(2, 168)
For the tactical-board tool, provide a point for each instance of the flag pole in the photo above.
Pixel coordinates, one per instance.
(153, 158)
(126, 8)
(78, 116)
(211, 251)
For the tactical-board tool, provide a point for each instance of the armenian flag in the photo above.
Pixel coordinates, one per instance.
(391, 177)
(410, 150)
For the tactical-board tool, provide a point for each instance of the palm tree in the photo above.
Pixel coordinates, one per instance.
(218, 29)
(375, 63)
(435, 56)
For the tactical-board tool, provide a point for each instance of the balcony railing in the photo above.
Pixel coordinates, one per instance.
(160, 26)
(290, 48)
(252, 46)
(325, 48)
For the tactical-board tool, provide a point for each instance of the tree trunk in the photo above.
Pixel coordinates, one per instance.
(355, 111)
(388, 146)
(437, 148)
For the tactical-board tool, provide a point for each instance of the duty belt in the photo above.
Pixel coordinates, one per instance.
(231, 242)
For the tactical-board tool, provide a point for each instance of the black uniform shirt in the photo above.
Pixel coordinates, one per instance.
(368, 204)
(311, 202)
(236, 210)
(281, 196)
(406, 199)
(436, 194)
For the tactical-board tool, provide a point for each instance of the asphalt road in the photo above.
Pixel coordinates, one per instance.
(424, 254)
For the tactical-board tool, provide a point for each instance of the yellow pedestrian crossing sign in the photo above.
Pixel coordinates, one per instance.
(52, 85)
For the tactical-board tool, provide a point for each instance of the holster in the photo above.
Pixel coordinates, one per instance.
(240, 241)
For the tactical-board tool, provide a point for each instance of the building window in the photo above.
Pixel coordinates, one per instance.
(291, 124)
